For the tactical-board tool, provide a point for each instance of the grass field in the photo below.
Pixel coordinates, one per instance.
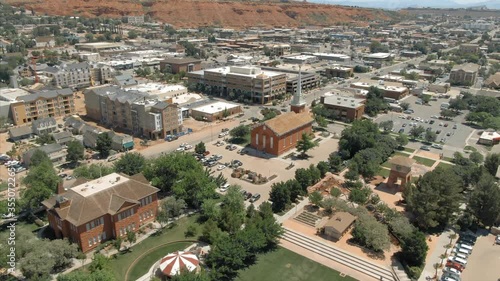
(410, 150)
(3, 186)
(445, 165)
(144, 264)
(120, 265)
(399, 153)
(424, 161)
(449, 159)
(383, 172)
(285, 265)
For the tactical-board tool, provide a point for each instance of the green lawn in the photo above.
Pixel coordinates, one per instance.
(445, 165)
(410, 150)
(399, 153)
(449, 159)
(144, 264)
(424, 161)
(120, 265)
(3, 186)
(387, 164)
(285, 265)
(383, 172)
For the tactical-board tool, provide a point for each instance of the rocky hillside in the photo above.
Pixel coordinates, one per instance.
(190, 13)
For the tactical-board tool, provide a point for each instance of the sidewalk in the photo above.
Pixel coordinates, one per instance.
(433, 255)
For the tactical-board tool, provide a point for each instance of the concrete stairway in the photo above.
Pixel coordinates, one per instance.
(340, 256)
(308, 218)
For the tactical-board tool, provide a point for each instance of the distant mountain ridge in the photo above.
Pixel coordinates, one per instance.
(224, 13)
(401, 4)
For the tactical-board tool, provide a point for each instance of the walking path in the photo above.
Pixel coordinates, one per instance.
(434, 253)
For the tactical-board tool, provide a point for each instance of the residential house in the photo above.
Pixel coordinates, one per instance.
(464, 74)
(90, 136)
(63, 138)
(281, 133)
(124, 80)
(135, 19)
(45, 125)
(493, 81)
(107, 208)
(57, 154)
(20, 133)
(44, 42)
(469, 49)
(121, 142)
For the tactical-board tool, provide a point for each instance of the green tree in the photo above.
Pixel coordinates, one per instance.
(414, 249)
(99, 262)
(131, 238)
(194, 187)
(210, 209)
(476, 157)
(371, 233)
(360, 195)
(405, 105)
(305, 144)
(279, 196)
(171, 208)
(402, 140)
(335, 192)
(430, 136)
(103, 144)
(485, 200)
(38, 264)
(491, 163)
(41, 183)
(335, 162)
(38, 157)
(132, 34)
(415, 132)
(387, 125)
(315, 198)
(130, 163)
(435, 198)
(63, 253)
(75, 151)
(323, 168)
(200, 148)
(240, 133)
(92, 171)
(232, 210)
(226, 257)
(321, 121)
(304, 177)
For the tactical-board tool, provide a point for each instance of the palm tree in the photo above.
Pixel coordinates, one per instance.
(436, 266)
(442, 257)
(447, 246)
(452, 237)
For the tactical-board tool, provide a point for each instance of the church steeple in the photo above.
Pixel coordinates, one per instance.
(298, 103)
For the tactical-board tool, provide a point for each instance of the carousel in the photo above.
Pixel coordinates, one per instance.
(177, 262)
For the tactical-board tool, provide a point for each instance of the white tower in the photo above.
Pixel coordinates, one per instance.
(298, 103)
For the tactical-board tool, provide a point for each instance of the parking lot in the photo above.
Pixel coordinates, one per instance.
(483, 263)
(452, 139)
(265, 165)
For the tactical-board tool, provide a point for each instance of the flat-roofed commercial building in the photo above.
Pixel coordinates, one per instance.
(215, 111)
(464, 74)
(177, 65)
(339, 71)
(344, 107)
(248, 82)
(29, 108)
(391, 92)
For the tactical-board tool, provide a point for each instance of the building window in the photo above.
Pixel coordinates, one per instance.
(103, 236)
(271, 140)
(90, 242)
(256, 139)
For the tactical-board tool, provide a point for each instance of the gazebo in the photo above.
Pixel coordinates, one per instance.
(172, 264)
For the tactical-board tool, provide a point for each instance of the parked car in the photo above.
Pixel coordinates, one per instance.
(233, 147)
(69, 178)
(455, 126)
(188, 147)
(63, 175)
(401, 130)
(425, 147)
(221, 167)
(112, 158)
(446, 124)
(497, 240)
(255, 197)
(404, 125)
(432, 122)
(455, 265)
(221, 135)
(437, 146)
(225, 187)
(180, 149)
(237, 163)
(225, 130)
(248, 195)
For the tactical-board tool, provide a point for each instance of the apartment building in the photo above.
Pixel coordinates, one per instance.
(344, 107)
(249, 82)
(75, 75)
(101, 74)
(464, 74)
(93, 212)
(135, 19)
(29, 108)
(308, 81)
(132, 111)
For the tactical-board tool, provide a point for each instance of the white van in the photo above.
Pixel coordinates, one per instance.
(465, 246)
(460, 255)
(461, 251)
(459, 260)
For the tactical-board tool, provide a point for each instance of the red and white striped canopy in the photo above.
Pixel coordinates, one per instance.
(173, 263)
